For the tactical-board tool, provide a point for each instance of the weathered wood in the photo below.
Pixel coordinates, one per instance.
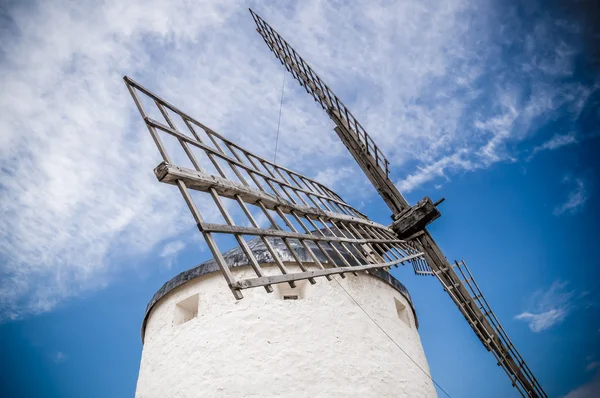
(238, 237)
(170, 174)
(268, 280)
(234, 162)
(212, 245)
(264, 240)
(237, 229)
(302, 241)
(132, 86)
(416, 218)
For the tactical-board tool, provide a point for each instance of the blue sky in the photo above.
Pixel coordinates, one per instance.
(492, 105)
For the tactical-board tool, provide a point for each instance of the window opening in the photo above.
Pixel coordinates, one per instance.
(402, 312)
(186, 310)
(285, 292)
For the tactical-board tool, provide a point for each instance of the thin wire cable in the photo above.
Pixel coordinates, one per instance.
(279, 121)
(390, 337)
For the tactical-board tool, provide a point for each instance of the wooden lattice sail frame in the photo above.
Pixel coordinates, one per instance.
(306, 214)
(299, 210)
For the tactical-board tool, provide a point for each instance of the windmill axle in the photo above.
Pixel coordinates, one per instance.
(415, 218)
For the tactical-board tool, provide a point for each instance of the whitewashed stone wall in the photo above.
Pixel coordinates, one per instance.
(322, 345)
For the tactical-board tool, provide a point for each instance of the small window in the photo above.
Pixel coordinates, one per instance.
(402, 312)
(186, 310)
(285, 292)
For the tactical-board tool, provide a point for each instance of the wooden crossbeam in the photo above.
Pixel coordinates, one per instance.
(268, 280)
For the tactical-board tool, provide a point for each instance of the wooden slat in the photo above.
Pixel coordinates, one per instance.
(268, 280)
(170, 174)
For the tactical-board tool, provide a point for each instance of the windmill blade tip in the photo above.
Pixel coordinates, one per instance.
(129, 81)
(254, 14)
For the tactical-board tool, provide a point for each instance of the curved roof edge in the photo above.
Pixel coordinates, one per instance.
(236, 258)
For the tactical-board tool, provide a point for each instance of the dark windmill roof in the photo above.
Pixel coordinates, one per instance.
(236, 258)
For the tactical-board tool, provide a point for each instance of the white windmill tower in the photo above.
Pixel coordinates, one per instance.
(353, 336)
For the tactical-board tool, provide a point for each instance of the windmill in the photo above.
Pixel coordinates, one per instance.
(320, 234)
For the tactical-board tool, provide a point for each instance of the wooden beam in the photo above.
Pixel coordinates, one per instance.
(269, 280)
(416, 218)
(236, 229)
(201, 181)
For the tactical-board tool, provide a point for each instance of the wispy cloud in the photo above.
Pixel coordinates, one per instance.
(545, 320)
(548, 308)
(78, 192)
(557, 141)
(575, 200)
(348, 181)
(439, 168)
(493, 120)
(170, 251)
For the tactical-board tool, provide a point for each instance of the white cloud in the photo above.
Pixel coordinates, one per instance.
(78, 193)
(557, 141)
(436, 169)
(332, 177)
(575, 200)
(548, 308)
(172, 248)
(347, 181)
(499, 126)
(170, 251)
(491, 121)
(544, 320)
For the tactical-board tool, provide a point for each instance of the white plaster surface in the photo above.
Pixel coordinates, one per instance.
(323, 345)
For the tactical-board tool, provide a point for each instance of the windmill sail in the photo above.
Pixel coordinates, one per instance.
(323, 234)
(409, 221)
(353, 135)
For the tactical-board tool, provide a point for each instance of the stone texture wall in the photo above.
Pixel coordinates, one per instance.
(322, 345)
